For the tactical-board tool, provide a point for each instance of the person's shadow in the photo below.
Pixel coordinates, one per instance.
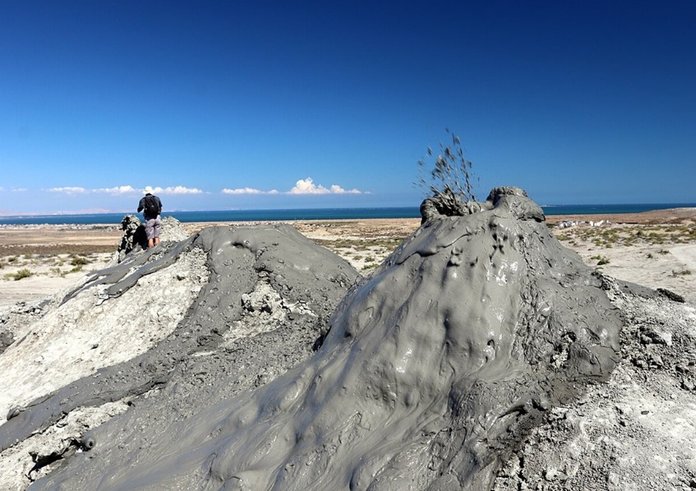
(140, 237)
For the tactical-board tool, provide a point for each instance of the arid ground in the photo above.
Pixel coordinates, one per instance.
(655, 249)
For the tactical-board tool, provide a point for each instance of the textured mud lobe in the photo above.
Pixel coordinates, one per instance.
(204, 359)
(637, 431)
(434, 370)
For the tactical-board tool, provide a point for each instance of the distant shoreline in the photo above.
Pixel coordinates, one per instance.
(321, 214)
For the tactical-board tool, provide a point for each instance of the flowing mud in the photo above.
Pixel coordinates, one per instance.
(114, 340)
(434, 371)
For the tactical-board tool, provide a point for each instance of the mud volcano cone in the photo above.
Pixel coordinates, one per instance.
(433, 370)
(138, 348)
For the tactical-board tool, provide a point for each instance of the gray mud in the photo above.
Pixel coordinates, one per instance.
(191, 369)
(638, 430)
(434, 371)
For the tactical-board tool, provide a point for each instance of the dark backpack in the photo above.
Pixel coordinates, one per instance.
(152, 206)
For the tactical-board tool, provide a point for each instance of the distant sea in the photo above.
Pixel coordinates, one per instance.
(316, 214)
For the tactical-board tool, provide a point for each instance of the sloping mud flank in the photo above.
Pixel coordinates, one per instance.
(433, 372)
(638, 430)
(163, 335)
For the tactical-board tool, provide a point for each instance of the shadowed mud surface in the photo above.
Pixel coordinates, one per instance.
(434, 370)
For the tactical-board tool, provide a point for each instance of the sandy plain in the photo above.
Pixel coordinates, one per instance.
(655, 249)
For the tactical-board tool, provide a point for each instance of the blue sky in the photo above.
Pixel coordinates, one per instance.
(228, 105)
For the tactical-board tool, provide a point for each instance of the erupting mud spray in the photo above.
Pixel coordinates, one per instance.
(434, 369)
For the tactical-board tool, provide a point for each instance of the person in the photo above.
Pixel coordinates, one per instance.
(151, 206)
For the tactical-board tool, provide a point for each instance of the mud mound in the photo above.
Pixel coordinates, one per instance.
(172, 231)
(157, 339)
(637, 431)
(433, 372)
(135, 239)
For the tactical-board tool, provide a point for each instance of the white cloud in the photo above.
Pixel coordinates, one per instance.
(69, 190)
(307, 186)
(336, 189)
(18, 190)
(172, 190)
(242, 191)
(125, 189)
(248, 191)
(117, 190)
(302, 186)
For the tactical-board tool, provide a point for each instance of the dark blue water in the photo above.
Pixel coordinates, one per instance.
(320, 214)
(228, 215)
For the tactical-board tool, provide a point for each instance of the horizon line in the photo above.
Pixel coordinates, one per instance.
(662, 206)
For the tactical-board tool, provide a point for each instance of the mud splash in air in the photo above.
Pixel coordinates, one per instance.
(433, 371)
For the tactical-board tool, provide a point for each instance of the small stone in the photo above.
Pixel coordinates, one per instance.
(512, 467)
(542, 403)
(551, 474)
(688, 384)
(644, 412)
(657, 360)
(88, 443)
(13, 412)
(613, 479)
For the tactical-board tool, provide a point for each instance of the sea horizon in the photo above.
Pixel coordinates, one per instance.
(313, 214)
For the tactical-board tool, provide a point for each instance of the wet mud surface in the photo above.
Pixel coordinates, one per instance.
(186, 370)
(434, 371)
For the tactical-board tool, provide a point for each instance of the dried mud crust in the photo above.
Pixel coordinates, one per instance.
(637, 431)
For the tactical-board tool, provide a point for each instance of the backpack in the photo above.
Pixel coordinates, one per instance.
(152, 206)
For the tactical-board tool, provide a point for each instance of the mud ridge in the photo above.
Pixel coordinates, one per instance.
(193, 366)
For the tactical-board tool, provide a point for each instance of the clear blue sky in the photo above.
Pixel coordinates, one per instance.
(224, 105)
